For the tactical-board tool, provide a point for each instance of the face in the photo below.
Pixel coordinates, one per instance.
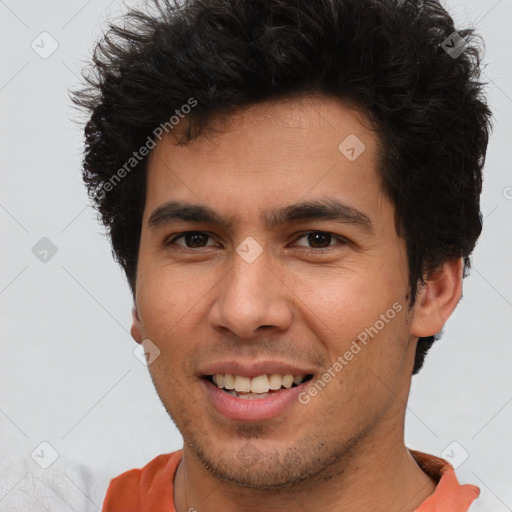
(247, 268)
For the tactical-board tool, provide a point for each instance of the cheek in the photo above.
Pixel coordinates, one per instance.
(168, 298)
(343, 300)
(168, 308)
(356, 317)
(367, 375)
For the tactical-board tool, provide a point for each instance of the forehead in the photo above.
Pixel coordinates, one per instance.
(317, 122)
(270, 154)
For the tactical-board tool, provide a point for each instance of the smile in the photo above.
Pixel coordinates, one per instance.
(260, 398)
(258, 387)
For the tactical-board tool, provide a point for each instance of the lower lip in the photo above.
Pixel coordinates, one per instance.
(242, 409)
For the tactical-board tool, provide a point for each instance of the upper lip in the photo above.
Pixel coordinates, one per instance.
(253, 368)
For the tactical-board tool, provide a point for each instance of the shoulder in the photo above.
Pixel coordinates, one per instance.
(136, 488)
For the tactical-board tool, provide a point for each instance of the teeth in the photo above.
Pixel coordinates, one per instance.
(242, 384)
(229, 381)
(260, 385)
(275, 382)
(288, 381)
(247, 396)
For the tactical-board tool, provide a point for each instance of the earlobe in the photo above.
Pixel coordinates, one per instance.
(437, 299)
(136, 329)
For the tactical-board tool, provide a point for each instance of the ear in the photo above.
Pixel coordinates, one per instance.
(136, 330)
(437, 299)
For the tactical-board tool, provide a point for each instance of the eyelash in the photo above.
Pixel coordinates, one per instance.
(340, 239)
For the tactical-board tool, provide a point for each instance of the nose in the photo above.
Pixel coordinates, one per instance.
(252, 297)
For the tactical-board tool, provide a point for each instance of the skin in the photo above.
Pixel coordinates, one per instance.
(344, 450)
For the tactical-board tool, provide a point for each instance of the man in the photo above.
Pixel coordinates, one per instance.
(292, 189)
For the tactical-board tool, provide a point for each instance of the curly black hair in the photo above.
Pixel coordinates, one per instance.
(401, 62)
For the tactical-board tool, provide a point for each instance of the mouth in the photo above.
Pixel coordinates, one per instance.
(256, 388)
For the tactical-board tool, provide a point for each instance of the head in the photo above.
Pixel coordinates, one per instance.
(245, 108)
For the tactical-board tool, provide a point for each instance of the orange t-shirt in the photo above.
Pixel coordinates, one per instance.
(150, 489)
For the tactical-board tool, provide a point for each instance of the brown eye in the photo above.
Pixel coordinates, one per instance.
(319, 239)
(192, 239)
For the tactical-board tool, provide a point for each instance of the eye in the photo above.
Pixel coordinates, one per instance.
(315, 240)
(192, 239)
(320, 239)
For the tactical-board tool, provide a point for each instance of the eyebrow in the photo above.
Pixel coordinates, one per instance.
(329, 209)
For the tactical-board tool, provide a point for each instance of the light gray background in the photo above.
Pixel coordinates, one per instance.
(68, 375)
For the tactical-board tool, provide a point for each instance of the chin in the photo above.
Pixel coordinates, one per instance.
(270, 470)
